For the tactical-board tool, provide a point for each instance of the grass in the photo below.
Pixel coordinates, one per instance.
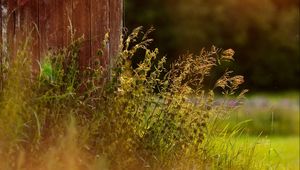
(281, 152)
(274, 117)
(288, 149)
(276, 95)
(269, 114)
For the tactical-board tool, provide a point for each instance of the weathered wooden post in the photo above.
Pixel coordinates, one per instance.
(48, 22)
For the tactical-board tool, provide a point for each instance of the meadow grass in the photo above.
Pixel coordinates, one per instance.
(269, 114)
(282, 152)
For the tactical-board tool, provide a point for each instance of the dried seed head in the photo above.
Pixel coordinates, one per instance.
(237, 80)
(227, 54)
(221, 83)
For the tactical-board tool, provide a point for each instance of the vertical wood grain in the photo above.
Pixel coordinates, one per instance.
(50, 25)
(82, 25)
(11, 27)
(53, 19)
(29, 28)
(59, 23)
(115, 17)
(99, 27)
(67, 21)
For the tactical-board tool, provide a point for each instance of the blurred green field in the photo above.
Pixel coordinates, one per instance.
(270, 121)
(268, 114)
(280, 152)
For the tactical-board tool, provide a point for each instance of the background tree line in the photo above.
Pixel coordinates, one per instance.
(264, 34)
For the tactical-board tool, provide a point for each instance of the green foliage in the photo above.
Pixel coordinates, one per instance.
(125, 117)
(265, 34)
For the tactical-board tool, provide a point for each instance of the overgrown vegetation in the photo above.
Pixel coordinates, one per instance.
(125, 117)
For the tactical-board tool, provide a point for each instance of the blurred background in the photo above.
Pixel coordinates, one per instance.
(263, 33)
(265, 37)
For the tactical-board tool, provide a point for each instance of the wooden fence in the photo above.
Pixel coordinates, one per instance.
(49, 23)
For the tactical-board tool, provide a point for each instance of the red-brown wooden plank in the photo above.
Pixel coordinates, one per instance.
(116, 15)
(82, 25)
(50, 23)
(99, 27)
(29, 25)
(44, 20)
(59, 23)
(11, 27)
(67, 21)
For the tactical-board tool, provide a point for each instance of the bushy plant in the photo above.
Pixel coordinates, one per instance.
(123, 117)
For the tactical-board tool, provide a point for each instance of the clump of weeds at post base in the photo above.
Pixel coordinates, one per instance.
(123, 117)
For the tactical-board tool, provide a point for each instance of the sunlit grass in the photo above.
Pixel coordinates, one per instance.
(280, 152)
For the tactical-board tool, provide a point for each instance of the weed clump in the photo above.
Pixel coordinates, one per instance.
(123, 117)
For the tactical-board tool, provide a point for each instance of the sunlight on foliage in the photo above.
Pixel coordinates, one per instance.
(123, 117)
